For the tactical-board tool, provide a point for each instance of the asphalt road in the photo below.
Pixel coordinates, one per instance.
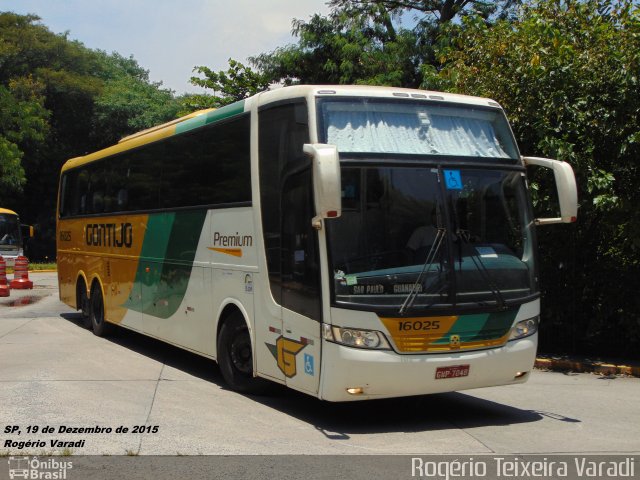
(58, 375)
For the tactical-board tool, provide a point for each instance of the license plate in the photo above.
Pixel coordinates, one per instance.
(454, 371)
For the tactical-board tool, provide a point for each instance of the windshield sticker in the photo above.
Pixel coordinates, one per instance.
(388, 289)
(486, 252)
(368, 289)
(351, 280)
(452, 179)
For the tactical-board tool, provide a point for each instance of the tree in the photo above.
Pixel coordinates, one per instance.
(23, 121)
(58, 100)
(567, 74)
(23, 117)
(434, 11)
(349, 46)
(236, 83)
(128, 101)
(364, 41)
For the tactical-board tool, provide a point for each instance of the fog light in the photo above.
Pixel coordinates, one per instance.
(355, 391)
(520, 374)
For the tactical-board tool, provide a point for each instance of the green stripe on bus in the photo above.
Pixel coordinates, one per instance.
(497, 325)
(481, 326)
(166, 261)
(211, 117)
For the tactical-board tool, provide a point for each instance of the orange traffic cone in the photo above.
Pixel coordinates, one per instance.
(4, 289)
(21, 274)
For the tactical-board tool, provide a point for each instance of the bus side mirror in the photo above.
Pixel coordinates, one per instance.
(566, 186)
(26, 231)
(327, 186)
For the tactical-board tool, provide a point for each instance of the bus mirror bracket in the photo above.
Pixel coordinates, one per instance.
(327, 187)
(26, 230)
(566, 186)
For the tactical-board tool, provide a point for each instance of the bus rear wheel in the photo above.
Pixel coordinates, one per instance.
(82, 303)
(235, 357)
(100, 326)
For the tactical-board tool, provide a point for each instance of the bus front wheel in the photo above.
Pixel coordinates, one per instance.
(100, 326)
(235, 356)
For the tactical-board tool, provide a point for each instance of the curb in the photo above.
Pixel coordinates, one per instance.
(586, 366)
(32, 271)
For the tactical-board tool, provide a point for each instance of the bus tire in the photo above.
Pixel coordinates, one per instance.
(235, 357)
(82, 303)
(100, 326)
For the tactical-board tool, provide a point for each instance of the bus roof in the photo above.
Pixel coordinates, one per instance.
(205, 117)
(370, 91)
(6, 211)
(180, 125)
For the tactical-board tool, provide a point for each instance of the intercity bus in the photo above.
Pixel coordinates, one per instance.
(348, 242)
(11, 238)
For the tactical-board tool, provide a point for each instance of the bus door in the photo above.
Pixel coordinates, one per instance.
(301, 297)
(291, 246)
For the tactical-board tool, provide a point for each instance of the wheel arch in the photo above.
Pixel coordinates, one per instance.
(96, 280)
(228, 308)
(82, 277)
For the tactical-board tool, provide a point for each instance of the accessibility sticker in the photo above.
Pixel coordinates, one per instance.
(453, 179)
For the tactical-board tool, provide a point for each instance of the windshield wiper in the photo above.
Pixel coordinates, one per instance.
(428, 263)
(463, 235)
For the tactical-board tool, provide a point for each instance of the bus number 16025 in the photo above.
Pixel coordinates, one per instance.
(419, 325)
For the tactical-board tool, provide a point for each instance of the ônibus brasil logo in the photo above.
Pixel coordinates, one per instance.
(34, 468)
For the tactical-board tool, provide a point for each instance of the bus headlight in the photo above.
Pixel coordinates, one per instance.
(524, 328)
(353, 337)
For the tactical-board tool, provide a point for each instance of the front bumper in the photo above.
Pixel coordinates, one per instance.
(384, 374)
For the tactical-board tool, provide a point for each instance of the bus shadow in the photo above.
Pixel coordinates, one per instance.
(186, 362)
(442, 411)
(338, 421)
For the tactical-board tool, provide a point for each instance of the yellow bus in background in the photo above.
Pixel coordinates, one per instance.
(348, 242)
(11, 237)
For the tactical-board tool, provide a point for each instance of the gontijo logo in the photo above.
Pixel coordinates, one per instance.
(231, 244)
(109, 234)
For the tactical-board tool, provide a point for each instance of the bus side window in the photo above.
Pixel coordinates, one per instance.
(82, 192)
(122, 199)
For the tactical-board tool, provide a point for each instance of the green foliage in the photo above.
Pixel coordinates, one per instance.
(59, 99)
(349, 46)
(127, 105)
(23, 120)
(567, 75)
(433, 11)
(236, 83)
(363, 41)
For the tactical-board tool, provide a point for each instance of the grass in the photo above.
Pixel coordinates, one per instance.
(43, 266)
(36, 267)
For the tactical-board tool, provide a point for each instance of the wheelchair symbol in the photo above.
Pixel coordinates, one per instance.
(308, 364)
(453, 180)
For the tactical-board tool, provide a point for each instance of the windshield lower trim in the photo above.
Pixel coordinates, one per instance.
(415, 160)
(417, 311)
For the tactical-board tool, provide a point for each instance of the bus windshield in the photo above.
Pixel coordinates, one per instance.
(369, 125)
(425, 237)
(9, 232)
